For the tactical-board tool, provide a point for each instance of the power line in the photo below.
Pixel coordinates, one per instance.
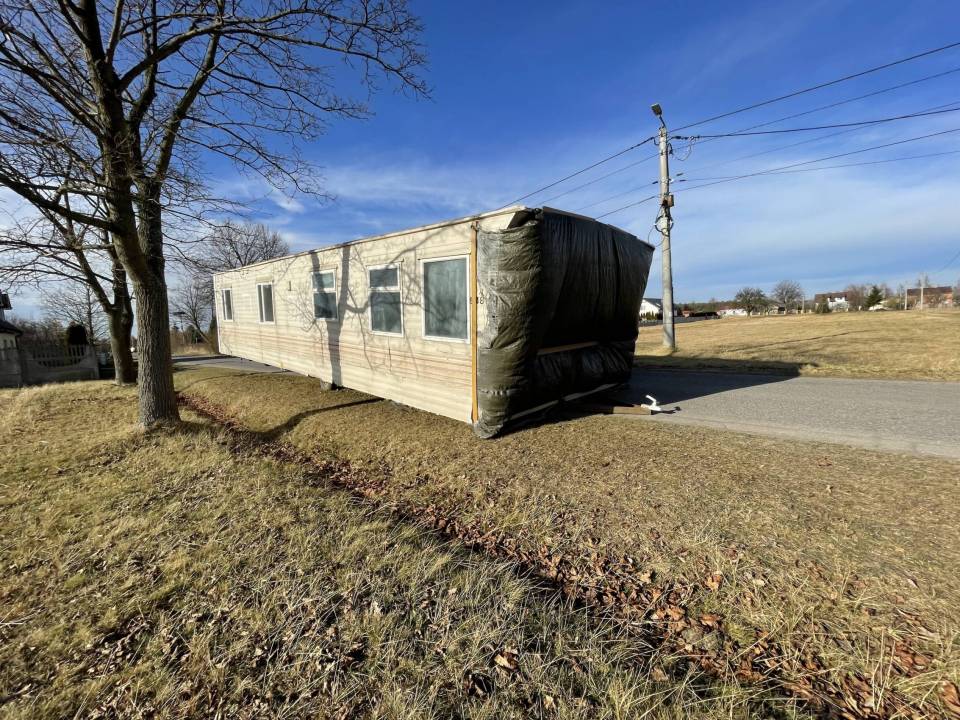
(779, 170)
(614, 197)
(833, 167)
(823, 159)
(770, 172)
(949, 263)
(771, 122)
(633, 204)
(832, 105)
(803, 142)
(858, 123)
(744, 109)
(820, 86)
(602, 177)
(580, 172)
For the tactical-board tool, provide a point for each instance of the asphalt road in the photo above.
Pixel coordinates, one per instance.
(223, 361)
(895, 415)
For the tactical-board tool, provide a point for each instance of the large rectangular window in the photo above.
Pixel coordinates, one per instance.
(445, 298)
(227, 295)
(325, 295)
(265, 301)
(386, 312)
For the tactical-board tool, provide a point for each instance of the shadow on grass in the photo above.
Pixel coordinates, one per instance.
(277, 432)
(201, 381)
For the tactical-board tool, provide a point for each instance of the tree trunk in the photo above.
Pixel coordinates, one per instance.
(158, 400)
(121, 327)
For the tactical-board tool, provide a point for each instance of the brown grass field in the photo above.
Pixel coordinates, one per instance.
(178, 574)
(814, 571)
(900, 345)
(330, 554)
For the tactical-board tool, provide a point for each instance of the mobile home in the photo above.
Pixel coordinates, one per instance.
(484, 319)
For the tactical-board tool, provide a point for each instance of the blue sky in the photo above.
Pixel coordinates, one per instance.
(524, 93)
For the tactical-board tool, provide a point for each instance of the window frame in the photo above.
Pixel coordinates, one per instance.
(273, 304)
(223, 303)
(423, 303)
(398, 265)
(336, 295)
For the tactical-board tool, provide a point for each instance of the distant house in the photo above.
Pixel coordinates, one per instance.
(8, 334)
(729, 311)
(8, 331)
(939, 296)
(833, 300)
(651, 307)
(10, 374)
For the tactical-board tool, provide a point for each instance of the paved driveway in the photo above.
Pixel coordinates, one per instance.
(897, 415)
(223, 361)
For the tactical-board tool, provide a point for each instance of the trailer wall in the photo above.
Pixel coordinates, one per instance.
(433, 374)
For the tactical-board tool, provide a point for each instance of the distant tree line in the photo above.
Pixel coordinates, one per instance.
(788, 296)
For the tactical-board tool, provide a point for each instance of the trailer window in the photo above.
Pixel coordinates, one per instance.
(325, 295)
(445, 298)
(265, 302)
(227, 295)
(386, 312)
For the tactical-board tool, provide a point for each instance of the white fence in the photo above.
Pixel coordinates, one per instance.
(37, 364)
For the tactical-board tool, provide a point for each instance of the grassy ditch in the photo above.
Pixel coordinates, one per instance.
(821, 572)
(894, 345)
(191, 573)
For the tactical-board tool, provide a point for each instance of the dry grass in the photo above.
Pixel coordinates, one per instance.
(177, 574)
(902, 345)
(846, 556)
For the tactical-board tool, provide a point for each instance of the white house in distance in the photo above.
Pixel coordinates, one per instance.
(834, 300)
(651, 307)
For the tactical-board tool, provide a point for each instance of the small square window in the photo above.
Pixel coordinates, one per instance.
(386, 310)
(227, 301)
(325, 295)
(265, 302)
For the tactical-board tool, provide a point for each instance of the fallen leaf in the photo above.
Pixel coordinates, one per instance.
(951, 698)
(507, 659)
(658, 675)
(714, 581)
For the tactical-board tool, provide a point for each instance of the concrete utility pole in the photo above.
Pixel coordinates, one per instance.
(665, 221)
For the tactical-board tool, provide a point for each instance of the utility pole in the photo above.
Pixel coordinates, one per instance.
(923, 281)
(665, 221)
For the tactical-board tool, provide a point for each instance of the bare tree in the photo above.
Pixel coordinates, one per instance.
(751, 299)
(42, 249)
(73, 303)
(193, 300)
(232, 245)
(788, 293)
(856, 295)
(111, 106)
(227, 247)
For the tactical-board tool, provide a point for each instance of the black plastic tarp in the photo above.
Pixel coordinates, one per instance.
(560, 295)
